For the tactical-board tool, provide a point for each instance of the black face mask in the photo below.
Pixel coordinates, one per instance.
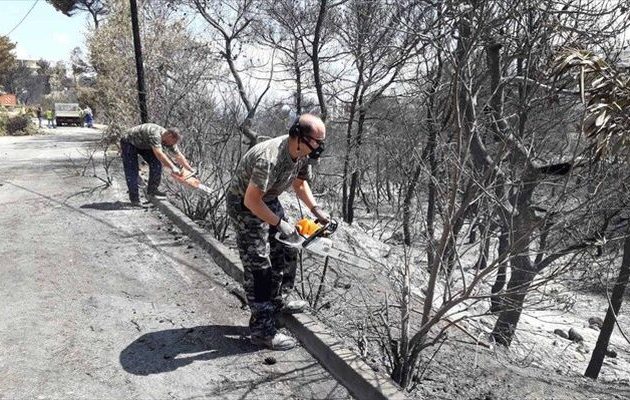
(315, 152)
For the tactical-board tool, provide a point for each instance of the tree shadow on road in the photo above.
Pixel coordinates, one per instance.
(165, 351)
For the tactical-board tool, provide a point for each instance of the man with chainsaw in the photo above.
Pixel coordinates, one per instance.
(267, 170)
(150, 141)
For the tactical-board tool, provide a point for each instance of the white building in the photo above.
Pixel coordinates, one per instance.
(29, 63)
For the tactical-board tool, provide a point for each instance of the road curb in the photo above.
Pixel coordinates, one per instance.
(352, 372)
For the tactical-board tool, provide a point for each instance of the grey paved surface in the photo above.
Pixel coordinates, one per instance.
(103, 301)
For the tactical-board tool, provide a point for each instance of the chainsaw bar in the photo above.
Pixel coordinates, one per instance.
(194, 183)
(322, 246)
(204, 188)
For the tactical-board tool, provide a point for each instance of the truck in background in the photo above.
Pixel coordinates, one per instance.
(68, 114)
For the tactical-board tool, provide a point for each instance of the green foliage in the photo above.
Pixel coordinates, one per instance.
(110, 52)
(3, 121)
(96, 8)
(22, 82)
(67, 7)
(88, 96)
(7, 59)
(18, 125)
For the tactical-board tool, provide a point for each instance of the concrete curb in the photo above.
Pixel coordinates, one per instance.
(352, 372)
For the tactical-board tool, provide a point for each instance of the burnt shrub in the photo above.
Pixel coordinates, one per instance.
(19, 125)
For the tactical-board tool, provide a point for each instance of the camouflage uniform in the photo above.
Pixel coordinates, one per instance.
(140, 140)
(269, 266)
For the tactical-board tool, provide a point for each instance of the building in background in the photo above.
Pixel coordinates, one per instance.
(30, 64)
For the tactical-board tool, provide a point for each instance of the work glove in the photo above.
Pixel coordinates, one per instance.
(286, 229)
(321, 216)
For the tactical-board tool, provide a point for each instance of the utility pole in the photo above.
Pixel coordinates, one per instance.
(137, 46)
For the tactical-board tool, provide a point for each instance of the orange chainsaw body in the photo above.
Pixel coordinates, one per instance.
(306, 227)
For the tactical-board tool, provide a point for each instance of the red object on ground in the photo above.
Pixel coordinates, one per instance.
(8, 99)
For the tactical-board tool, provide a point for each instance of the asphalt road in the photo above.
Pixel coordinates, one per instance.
(103, 301)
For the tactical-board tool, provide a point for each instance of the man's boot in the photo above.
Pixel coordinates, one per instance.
(293, 305)
(158, 194)
(134, 200)
(279, 341)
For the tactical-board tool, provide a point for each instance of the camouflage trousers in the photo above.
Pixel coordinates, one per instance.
(269, 266)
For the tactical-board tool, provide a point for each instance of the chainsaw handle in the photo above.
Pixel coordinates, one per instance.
(280, 238)
(329, 228)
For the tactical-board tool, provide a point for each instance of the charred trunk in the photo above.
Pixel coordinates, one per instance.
(599, 352)
(513, 299)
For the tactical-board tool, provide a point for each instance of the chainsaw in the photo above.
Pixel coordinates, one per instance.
(315, 238)
(189, 178)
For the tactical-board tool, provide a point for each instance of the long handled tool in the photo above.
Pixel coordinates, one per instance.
(315, 238)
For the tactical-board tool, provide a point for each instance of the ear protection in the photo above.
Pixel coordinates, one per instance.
(296, 129)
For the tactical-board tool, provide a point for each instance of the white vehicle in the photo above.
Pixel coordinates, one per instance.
(68, 114)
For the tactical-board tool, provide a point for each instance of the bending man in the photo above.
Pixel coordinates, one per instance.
(149, 141)
(267, 170)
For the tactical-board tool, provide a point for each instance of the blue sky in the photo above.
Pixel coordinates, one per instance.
(45, 32)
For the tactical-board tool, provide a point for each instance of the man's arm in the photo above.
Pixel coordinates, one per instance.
(166, 162)
(303, 191)
(181, 160)
(254, 202)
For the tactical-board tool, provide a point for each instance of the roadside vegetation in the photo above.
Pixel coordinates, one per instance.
(38, 84)
(456, 155)
(16, 122)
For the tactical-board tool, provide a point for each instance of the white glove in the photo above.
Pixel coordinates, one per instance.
(286, 229)
(322, 216)
(177, 171)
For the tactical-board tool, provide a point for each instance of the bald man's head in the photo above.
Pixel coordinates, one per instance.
(308, 125)
(310, 131)
(313, 126)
